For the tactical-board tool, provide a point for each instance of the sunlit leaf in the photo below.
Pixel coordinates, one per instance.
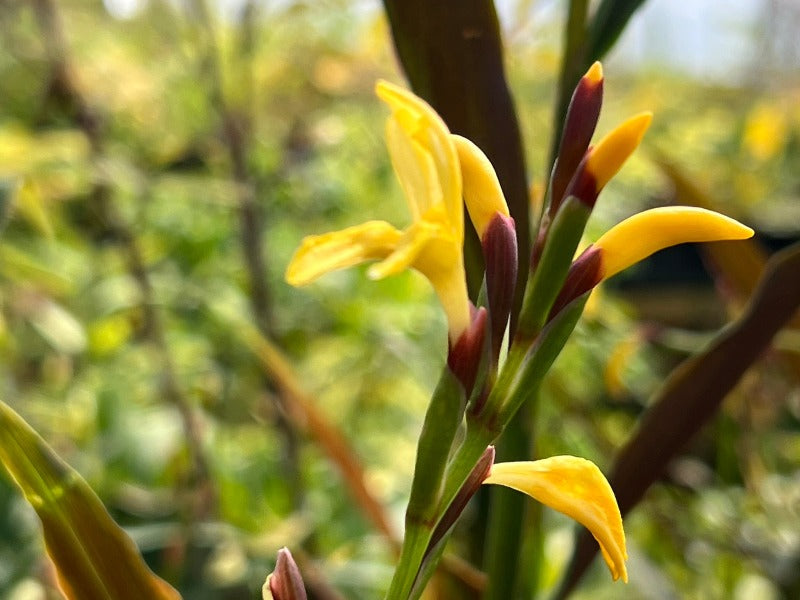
(94, 558)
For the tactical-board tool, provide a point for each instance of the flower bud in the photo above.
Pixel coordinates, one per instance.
(285, 582)
(577, 488)
(638, 237)
(579, 126)
(464, 357)
(500, 254)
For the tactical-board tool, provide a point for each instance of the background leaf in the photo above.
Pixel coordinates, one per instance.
(607, 25)
(93, 556)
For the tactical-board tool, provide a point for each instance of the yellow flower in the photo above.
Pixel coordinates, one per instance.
(649, 231)
(638, 237)
(575, 487)
(426, 162)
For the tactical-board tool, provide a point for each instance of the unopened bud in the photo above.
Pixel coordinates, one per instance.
(473, 482)
(585, 273)
(579, 126)
(285, 582)
(500, 255)
(603, 161)
(464, 357)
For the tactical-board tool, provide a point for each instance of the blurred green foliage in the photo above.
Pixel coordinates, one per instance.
(77, 363)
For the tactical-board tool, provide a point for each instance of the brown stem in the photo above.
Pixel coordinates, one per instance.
(63, 89)
(235, 124)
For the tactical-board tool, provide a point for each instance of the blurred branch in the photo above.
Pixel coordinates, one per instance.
(235, 124)
(64, 89)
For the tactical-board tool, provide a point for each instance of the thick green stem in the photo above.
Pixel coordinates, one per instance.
(417, 539)
(442, 418)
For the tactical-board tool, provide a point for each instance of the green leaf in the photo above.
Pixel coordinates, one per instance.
(93, 556)
(694, 391)
(607, 25)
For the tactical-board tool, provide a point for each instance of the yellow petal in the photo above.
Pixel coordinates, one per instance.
(481, 188)
(611, 152)
(423, 125)
(415, 169)
(644, 233)
(576, 487)
(320, 254)
(428, 247)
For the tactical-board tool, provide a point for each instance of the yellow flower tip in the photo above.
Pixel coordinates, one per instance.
(480, 186)
(610, 153)
(321, 254)
(644, 233)
(577, 488)
(595, 73)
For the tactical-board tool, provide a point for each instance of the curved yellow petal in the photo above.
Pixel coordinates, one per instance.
(320, 254)
(644, 233)
(611, 152)
(429, 247)
(480, 186)
(415, 169)
(426, 128)
(576, 487)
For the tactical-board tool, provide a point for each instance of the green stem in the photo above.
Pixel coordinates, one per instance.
(502, 558)
(418, 536)
(543, 287)
(442, 418)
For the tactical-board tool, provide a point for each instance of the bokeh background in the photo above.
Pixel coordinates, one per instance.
(161, 159)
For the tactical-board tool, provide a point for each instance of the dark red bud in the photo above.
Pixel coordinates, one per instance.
(579, 126)
(479, 472)
(583, 184)
(500, 254)
(285, 582)
(585, 273)
(464, 357)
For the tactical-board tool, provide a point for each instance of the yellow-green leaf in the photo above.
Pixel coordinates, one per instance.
(94, 558)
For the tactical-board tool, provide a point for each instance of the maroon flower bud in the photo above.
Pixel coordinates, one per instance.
(464, 357)
(585, 273)
(579, 125)
(500, 254)
(285, 582)
(479, 472)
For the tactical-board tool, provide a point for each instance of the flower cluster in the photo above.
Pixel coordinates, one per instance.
(440, 174)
